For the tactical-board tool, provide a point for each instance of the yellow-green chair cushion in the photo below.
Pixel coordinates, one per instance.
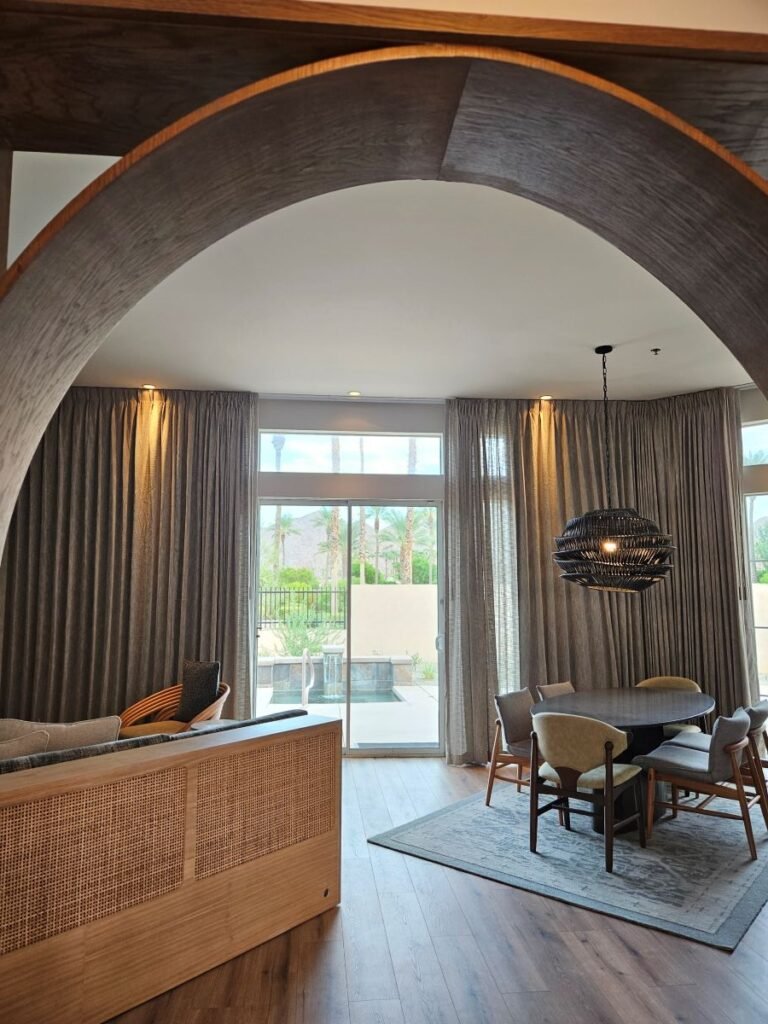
(152, 729)
(675, 728)
(595, 777)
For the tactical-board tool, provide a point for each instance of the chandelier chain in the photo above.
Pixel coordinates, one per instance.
(605, 424)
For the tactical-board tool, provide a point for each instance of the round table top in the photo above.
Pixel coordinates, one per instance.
(631, 708)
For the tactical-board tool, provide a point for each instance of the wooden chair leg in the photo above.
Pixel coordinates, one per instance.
(567, 814)
(518, 776)
(675, 800)
(608, 830)
(744, 807)
(650, 802)
(638, 791)
(492, 768)
(534, 815)
(756, 771)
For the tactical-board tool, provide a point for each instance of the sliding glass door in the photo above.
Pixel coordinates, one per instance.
(394, 605)
(756, 520)
(349, 612)
(303, 608)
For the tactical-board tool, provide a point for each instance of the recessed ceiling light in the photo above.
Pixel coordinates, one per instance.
(353, 394)
(546, 398)
(148, 387)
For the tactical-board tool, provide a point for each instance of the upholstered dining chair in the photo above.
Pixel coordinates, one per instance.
(199, 697)
(512, 739)
(673, 683)
(717, 771)
(579, 765)
(751, 770)
(554, 690)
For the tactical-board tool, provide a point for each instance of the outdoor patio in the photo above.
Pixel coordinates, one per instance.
(411, 720)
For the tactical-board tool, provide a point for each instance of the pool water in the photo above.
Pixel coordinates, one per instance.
(358, 697)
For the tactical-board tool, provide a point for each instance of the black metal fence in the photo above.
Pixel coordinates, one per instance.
(322, 605)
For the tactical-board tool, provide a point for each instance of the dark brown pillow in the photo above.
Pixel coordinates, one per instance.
(199, 687)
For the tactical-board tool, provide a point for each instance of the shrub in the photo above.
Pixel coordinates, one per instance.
(370, 573)
(420, 568)
(297, 635)
(303, 579)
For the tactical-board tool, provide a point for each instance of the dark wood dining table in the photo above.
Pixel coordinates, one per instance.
(641, 711)
(637, 709)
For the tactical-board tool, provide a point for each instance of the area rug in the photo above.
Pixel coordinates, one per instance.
(694, 879)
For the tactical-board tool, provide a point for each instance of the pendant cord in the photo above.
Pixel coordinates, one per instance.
(605, 420)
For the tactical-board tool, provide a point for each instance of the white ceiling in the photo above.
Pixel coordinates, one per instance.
(401, 289)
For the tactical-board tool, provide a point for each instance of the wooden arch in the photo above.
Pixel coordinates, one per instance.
(662, 192)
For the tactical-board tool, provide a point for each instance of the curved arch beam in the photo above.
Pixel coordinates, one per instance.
(665, 194)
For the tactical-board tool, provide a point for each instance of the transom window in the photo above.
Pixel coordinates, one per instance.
(754, 443)
(315, 452)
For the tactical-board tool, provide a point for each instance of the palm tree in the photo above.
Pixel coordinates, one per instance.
(334, 525)
(406, 552)
(278, 442)
(431, 540)
(405, 527)
(377, 542)
(335, 542)
(282, 528)
(752, 458)
(363, 513)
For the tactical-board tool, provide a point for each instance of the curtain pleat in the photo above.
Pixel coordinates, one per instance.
(132, 547)
(678, 461)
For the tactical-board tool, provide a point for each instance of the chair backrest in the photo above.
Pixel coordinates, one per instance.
(572, 741)
(670, 683)
(726, 731)
(515, 715)
(554, 690)
(758, 716)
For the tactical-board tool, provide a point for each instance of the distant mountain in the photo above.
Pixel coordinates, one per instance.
(301, 548)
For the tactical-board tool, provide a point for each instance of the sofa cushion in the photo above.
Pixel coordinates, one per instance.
(275, 716)
(62, 735)
(18, 764)
(151, 729)
(30, 743)
(199, 687)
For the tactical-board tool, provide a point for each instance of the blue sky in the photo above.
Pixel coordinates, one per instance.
(383, 453)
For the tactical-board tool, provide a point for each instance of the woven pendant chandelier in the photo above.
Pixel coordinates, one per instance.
(612, 548)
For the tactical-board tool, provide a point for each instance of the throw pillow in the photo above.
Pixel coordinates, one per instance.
(30, 743)
(199, 686)
(63, 735)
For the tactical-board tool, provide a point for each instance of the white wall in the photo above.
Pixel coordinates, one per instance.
(41, 185)
(391, 621)
(355, 415)
(733, 16)
(395, 620)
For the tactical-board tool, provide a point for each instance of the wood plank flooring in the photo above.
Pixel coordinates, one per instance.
(416, 943)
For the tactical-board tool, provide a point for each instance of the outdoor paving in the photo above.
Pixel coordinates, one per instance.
(410, 721)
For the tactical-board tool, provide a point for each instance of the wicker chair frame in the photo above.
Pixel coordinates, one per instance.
(163, 705)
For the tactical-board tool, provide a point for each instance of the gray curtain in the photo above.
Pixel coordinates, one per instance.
(132, 547)
(677, 461)
(482, 656)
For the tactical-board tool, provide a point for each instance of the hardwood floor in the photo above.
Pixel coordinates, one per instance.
(416, 943)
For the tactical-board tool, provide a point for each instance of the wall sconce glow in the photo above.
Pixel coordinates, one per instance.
(148, 387)
(353, 394)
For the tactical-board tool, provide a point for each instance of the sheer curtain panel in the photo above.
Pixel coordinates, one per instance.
(515, 472)
(132, 547)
